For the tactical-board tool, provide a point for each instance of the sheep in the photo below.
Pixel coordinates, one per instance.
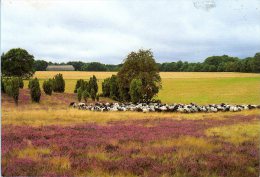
(158, 107)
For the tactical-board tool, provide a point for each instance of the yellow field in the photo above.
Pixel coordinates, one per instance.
(169, 75)
(184, 87)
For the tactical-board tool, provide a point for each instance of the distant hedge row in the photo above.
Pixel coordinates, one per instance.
(223, 63)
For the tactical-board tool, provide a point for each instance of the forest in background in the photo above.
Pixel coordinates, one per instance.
(222, 63)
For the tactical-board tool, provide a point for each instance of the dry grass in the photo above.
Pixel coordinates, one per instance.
(74, 116)
(237, 133)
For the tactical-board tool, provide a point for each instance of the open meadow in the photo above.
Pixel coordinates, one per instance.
(184, 87)
(51, 139)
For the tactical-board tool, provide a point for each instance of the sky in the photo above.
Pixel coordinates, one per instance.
(107, 31)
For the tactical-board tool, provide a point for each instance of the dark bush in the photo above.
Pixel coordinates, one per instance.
(85, 95)
(106, 87)
(35, 90)
(92, 87)
(136, 90)
(11, 87)
(97, 97)
(81, 83)
(93, 94)
(58, 83)
(110, 88)
(2, 84)
(47, 86)
(21, 84)
(79, 94)
(114, 89)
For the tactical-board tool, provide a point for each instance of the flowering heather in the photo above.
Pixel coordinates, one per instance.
(166, 147)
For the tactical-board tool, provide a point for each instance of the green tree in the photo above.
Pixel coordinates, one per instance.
(92, 94)
(97, 97)
(114, 89)
(79, 94)
(94, 66)
(106, 87)
(254, 63)
(17, 62)
(85, 95)
(93, 85)
(35, 90)
(47, 86)
(136, 90)
(40, 65)
(139, 65)
(77, 65)
(21, 84)
(81, 83)
(11, 87)
(58, 83)
(2, 84)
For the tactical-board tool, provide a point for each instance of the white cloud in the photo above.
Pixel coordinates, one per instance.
(107, 31)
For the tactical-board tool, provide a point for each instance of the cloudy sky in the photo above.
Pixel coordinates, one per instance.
(106, 31)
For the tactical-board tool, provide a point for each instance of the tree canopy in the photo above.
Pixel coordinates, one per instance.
(17, 62)
(139, 65)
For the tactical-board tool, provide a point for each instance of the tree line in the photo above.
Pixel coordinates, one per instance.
(18, 62)
(222, 63)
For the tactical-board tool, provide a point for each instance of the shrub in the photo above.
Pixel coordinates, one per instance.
(136, 90)
(2, 85)
(93, 84)
(85, 95)
(106, 87)
(79, 94)
(110, 88)
(114, 89)
(11, 87)
(35, 90)
(81, 83)
(47, 86)
(21, 84)
(93, 94)
(58, 83)
(97, 97)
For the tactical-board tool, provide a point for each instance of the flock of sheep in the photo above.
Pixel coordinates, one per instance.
(158, 107)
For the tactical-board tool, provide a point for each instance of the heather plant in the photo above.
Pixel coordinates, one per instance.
(47, 86)
(58, 83)
(141, 147)
(35, 90)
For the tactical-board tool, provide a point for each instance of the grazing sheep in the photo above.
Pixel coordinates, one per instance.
(158, 107)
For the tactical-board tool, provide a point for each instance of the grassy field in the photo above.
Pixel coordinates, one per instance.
(50, 139)
(181, 87)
